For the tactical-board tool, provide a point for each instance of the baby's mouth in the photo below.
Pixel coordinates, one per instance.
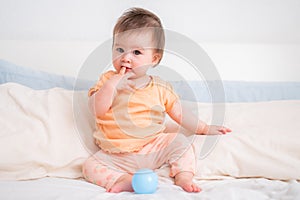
(128, 68)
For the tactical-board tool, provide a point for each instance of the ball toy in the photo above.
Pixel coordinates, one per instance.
(144, 181)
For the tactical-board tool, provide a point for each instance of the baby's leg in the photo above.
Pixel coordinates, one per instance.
(100, 174)
(183, 167)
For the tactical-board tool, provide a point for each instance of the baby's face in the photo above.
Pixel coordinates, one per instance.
(135, 51)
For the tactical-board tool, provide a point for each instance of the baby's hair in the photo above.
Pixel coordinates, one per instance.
(138, 18)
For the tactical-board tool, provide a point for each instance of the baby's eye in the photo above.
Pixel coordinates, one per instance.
(137, 52)
(120, 50)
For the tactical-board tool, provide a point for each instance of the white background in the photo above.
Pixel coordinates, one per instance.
(251, 40)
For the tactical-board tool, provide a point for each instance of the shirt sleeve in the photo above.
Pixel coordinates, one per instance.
(103, 78)
(170, 97)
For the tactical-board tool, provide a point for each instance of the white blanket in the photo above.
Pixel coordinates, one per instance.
(49, 133)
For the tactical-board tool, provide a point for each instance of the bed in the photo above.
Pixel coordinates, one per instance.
(46, 134)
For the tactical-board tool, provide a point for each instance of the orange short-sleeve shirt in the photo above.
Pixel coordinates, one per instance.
(134, 119)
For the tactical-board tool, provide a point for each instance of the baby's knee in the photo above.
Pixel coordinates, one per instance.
(182, 140)
(87, 167)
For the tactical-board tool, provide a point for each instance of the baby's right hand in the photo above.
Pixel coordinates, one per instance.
(121, 81)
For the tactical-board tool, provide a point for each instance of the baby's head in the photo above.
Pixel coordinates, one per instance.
(141, 21)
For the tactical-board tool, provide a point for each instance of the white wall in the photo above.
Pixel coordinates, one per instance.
(247, 40)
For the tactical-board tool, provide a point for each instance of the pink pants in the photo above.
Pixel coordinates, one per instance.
(104, 168)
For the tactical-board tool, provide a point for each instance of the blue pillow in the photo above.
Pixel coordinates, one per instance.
(236, 91)
(38, 80)
(210, 91)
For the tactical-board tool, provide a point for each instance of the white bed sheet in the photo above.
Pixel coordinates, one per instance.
(229, 189)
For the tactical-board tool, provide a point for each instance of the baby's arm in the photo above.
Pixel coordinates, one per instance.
(188, 120)
(101, 101)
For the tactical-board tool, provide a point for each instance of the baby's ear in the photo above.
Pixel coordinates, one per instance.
(156, 58)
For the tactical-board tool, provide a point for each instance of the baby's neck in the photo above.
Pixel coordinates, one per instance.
(142, 82)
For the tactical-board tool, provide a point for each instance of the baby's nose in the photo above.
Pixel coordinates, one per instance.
(126, 57)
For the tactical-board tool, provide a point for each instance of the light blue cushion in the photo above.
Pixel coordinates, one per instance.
(36, 79)
(211, 91)
(237, 91)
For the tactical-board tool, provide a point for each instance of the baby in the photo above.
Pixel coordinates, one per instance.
(130, 106)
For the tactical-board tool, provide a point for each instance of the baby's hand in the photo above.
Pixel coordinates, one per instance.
(216, 130)
(121, 81)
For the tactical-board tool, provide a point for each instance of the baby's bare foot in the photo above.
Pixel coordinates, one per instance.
(185, 180)
(122, 184)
